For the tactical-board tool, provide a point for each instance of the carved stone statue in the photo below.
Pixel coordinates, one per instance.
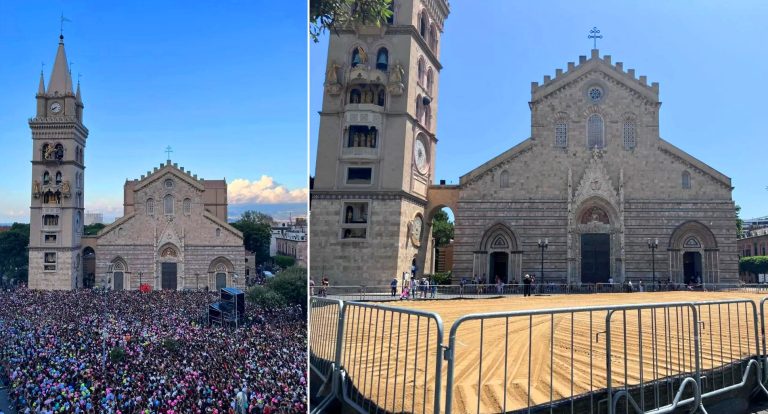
(368, 96)
(65, 187)
(49, 152)
(331, 76)
(36, 188)
(397, 73)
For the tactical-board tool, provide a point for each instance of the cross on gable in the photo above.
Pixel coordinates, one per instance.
(594, 34)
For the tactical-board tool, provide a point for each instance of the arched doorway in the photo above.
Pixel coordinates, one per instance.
(595, 243)
(220, 273)
(692, 267)
(497, 255)
(499, 267)
(169, 268)
(119, 269)
(693, 254)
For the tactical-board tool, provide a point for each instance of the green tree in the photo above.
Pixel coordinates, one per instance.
(93, 229)
(284, 261)
(442, 229)
(257, 232)
(333, 14)
(291, 284)
(14, 258)
(265, 297)
(754, 264)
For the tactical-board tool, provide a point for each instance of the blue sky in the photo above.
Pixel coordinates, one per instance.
(710, 61)
(223, 83)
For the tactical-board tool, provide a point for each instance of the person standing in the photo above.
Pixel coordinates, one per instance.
(499, 285)
(433, 286)
(324, 289)
(527, 285)
(393, 286)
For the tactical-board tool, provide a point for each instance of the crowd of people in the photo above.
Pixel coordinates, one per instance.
(161, 356)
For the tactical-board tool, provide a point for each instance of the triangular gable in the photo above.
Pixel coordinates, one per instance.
(169, 235)
(172, 169)
(576, 73)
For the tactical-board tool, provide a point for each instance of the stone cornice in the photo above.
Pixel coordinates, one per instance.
(115, 224)
(57, 122)
(379, 195)
(421, 128)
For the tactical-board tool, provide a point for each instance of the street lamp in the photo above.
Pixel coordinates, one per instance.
(104, 284)
(653, 245)
(543, 246)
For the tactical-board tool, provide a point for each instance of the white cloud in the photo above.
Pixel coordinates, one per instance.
(264, 191)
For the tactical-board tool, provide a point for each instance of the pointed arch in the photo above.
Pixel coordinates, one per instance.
(498, 236)
(692, 230)
(595, 131)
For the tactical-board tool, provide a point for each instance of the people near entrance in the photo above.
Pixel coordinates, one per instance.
(499, 285)
(424, 287)
(414, 268)
(433, 288)
(405, 288)
(158, 359)
(311, 287)
(393, 286)
(462, 283)
(527, 285)
(640, 286)
(630, 287)
(325, 284)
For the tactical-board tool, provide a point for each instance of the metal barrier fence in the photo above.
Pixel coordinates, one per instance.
(384, 292)
(627, 358)
(390, 359)
(325, 323)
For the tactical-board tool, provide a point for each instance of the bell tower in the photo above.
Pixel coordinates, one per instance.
(58, 154)
(376, 145)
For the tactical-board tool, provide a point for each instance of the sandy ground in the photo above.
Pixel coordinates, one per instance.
(509, 363)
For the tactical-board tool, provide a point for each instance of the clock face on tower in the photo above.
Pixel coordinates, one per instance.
(420, 156)
(56, 107)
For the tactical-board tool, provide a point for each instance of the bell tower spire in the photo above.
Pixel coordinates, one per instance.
(61, 81)
(58, 176)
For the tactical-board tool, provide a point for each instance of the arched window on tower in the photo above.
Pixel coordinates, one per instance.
(59, 152)
(423, 24)
(168, 204)
(427, 116)
(58, 177)
(46, 178)
(187, 204)
(686, 180)
(430, 80)
(355, 96)
(595, 138)
(630, 135)
(382, 59)
(504, 179)
(150, 207)
(356, 58)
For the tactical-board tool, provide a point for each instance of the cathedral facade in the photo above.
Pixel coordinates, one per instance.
(593, 194)
(173, 235)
